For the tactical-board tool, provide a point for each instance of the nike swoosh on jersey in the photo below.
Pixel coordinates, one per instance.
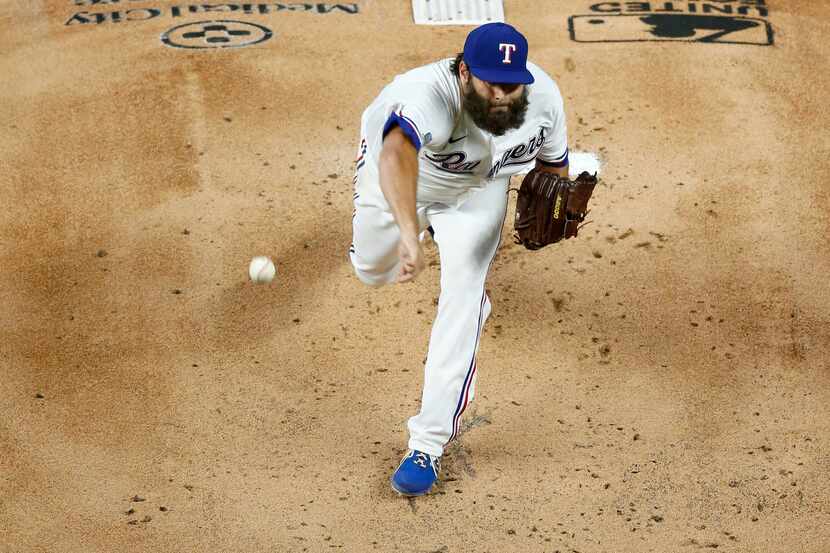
(454, 140)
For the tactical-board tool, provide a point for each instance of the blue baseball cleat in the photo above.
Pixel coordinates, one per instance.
(416, 474)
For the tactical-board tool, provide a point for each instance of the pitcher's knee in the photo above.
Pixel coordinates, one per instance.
(374, 280)
(373, 274)
(464, 299)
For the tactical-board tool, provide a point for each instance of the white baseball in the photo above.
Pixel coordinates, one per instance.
(262, 269)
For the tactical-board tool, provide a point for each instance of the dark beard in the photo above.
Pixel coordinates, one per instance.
(499, 122)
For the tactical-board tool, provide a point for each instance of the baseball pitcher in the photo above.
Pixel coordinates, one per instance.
(438, 146)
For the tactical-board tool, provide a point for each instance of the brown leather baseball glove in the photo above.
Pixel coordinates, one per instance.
(550, 208)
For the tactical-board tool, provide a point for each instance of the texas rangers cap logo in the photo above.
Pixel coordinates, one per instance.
(507, 49)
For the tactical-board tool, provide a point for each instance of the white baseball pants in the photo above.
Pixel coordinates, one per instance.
(468, 237)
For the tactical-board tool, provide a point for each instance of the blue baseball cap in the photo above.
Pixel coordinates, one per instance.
(497, 53)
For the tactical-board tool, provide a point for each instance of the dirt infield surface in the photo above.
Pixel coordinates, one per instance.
(659, 384)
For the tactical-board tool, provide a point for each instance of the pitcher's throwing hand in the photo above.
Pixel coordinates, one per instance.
(412, 258)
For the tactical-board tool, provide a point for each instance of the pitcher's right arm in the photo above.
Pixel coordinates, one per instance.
(399, 183)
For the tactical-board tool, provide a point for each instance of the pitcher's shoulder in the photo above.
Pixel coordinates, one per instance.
(543, 83)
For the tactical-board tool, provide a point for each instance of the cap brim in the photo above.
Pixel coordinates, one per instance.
(503, 76)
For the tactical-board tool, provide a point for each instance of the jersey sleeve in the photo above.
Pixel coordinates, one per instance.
(554, 151)
(421, 113)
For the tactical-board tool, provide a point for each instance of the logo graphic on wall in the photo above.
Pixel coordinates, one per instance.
(725, 22)
(223, 33)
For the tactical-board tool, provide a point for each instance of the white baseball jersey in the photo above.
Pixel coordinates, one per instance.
(455, 156)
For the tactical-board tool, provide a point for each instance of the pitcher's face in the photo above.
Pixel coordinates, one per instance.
(494, 107)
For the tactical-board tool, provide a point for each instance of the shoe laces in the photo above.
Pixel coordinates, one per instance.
(421, 459)
(425, 461)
